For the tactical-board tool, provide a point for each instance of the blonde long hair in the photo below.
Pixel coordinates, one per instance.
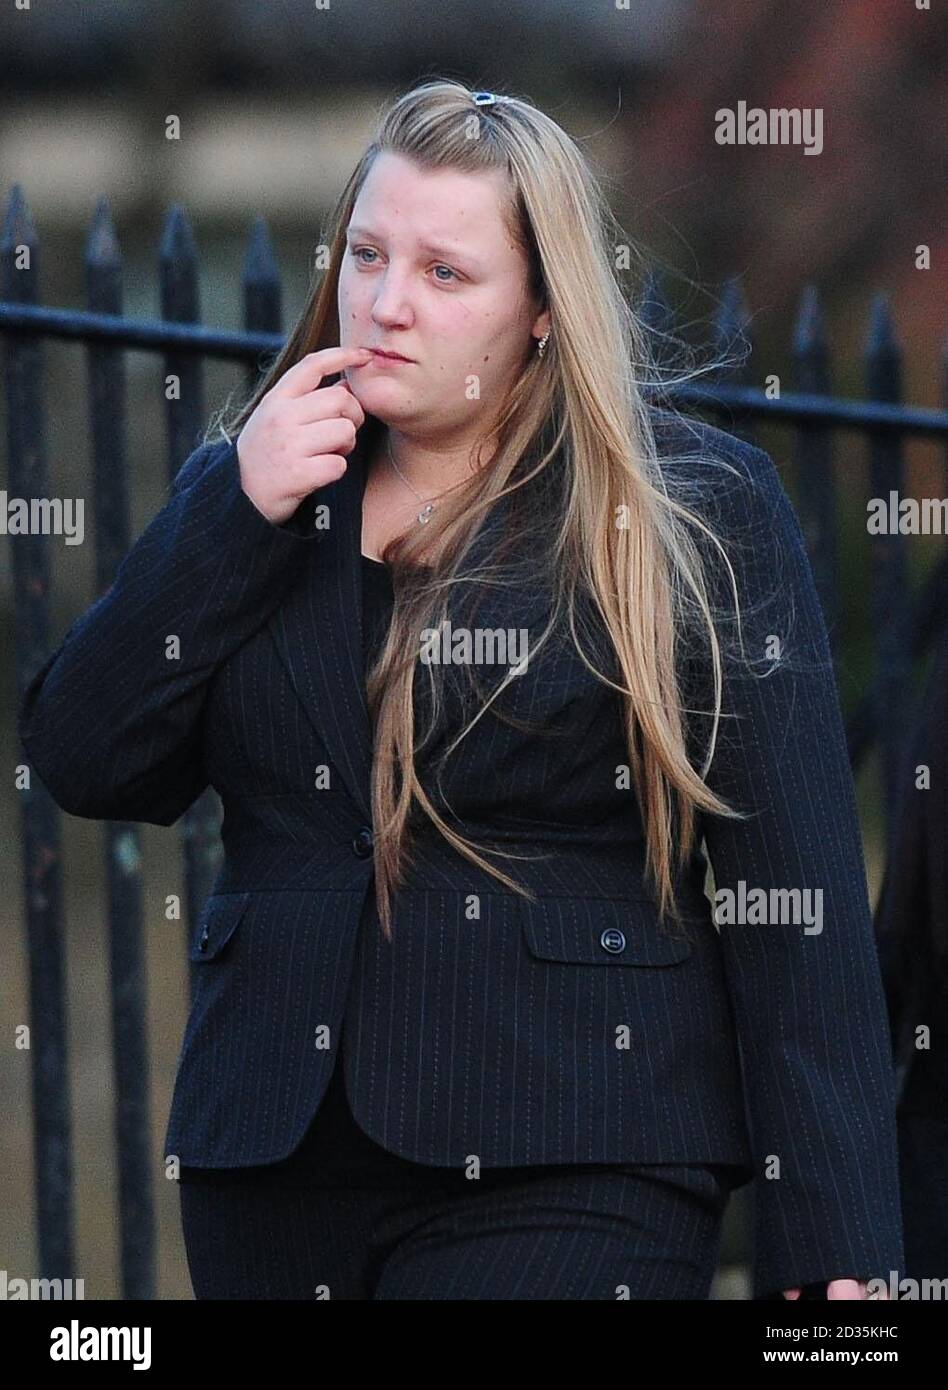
(577, 416)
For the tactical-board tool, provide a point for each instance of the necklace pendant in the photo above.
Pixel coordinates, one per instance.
(425, 516)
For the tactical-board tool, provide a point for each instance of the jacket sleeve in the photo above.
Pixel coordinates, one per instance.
(807, 997)
(112, 721)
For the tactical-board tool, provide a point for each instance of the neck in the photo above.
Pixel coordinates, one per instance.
(430, 467)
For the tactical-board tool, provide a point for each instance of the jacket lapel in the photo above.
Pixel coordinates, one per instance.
(318, 627)
(318, 632)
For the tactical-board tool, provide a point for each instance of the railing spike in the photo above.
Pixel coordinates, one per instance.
(881, 339)
(809, 337)
(260, 264)
(177, 237)
(102, 244)
(19, 229)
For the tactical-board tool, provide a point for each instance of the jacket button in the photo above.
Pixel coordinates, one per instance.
(362, 843)
(612, 940)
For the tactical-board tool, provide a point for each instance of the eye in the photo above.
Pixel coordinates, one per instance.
(357, 253)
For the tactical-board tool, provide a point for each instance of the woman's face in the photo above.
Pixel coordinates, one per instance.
(431, 273)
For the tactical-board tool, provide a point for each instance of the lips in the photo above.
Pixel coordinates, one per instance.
(389, 356)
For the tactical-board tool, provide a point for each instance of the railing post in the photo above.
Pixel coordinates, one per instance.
(184, 393)
(814, 461)
(732, 335)
(263, 308)
(41, 818)
(888, 551)
(127, 981)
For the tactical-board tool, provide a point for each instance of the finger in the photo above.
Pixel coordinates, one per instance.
(347, 387)
(320, 470)
(792, 1293)
(325, 437)
(306, 374)
(326, 403)
(845, 1288)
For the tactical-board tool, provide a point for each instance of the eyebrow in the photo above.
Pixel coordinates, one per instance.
(433, 248)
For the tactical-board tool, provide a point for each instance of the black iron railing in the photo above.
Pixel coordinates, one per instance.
(905, 627)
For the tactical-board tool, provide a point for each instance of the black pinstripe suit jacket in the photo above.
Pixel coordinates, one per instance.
(570, 1029)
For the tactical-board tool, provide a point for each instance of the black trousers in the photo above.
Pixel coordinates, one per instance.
(341, 1218)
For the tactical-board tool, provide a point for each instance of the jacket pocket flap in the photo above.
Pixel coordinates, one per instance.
(601, 931)
(216, 924)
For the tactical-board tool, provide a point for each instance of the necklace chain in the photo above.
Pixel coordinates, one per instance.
(424, 516)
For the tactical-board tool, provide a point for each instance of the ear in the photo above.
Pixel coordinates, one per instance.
(541, 325)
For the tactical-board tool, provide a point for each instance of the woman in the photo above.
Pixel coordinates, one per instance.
(592, 651)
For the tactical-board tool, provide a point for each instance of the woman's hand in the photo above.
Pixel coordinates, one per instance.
(842, 1288)
(295, 440)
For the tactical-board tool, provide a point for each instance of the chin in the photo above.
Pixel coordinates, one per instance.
(385, 399)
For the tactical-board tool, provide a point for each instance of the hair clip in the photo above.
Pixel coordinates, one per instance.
(484, 98)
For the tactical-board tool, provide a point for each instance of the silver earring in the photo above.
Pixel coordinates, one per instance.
(542, 342)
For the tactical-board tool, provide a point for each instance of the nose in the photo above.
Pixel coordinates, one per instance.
(392, 307)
